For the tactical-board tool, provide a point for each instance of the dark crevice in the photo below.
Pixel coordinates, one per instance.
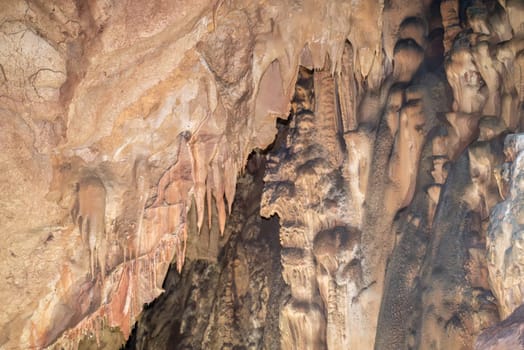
(207, 304)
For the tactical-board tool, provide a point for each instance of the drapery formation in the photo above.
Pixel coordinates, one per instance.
(121, 120)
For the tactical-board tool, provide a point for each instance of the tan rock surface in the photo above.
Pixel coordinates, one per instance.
(124, 126)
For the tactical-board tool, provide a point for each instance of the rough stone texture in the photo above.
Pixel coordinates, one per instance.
(304, 187)
(506, 231)
(124, 126)
(508, 334)
(238, 286)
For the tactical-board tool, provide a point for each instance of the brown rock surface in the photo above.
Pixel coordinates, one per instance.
(125, 127)
(507, 334)
(234, 280)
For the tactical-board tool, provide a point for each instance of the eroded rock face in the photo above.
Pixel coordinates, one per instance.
(124, 127)
(503, 252)
(507, 334)
(235, 281)
(305, 188)
(161, 103)
(505, 231)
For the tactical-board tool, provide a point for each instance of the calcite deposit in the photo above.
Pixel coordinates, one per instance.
(270, 174)
(504, 241)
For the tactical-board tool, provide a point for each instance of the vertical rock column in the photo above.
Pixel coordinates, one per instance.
(401, 128)
(456, 299)
(305, 188)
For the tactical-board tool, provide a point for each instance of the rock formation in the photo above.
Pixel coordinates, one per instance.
(143, 141)
(234, 280)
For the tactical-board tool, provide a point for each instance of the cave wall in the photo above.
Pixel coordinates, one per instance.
(230, 297)
(125, 127)
(389, 249)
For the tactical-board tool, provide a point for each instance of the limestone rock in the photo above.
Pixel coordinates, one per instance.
(126, 128)
(504, 335)
(505, 232)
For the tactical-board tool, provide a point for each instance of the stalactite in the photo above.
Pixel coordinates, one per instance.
(127, 129)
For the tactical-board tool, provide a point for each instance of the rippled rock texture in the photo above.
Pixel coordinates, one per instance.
(394, 184)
